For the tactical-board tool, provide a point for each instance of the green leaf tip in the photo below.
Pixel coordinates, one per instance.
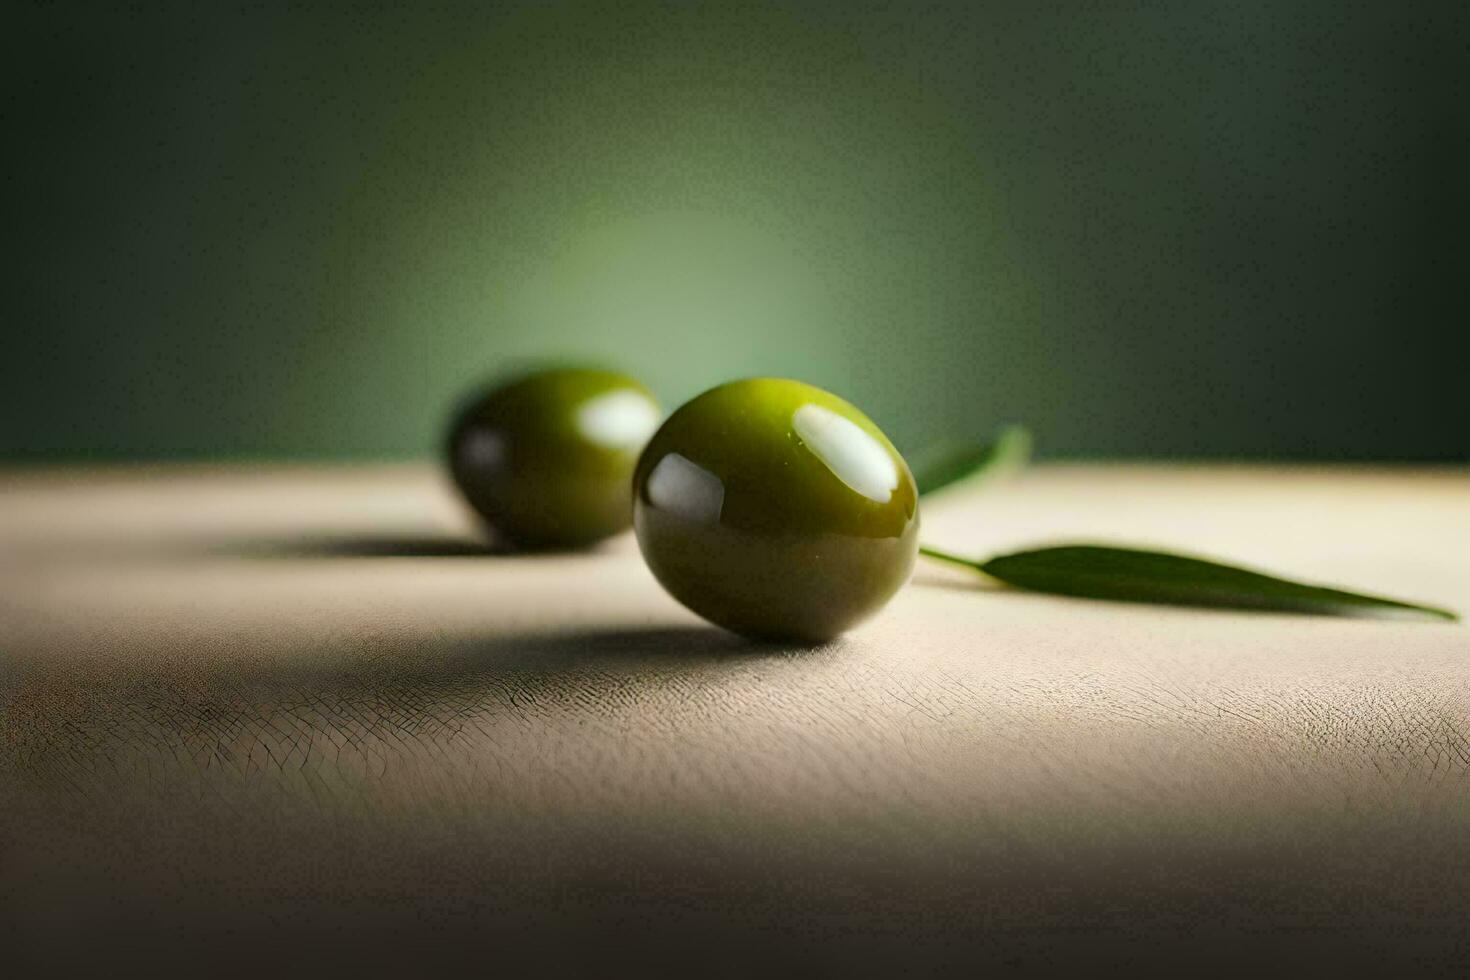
(951, 461)
(1135, 575)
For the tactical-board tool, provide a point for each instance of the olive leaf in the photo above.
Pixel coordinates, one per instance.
(951, 461)
(1133, 575)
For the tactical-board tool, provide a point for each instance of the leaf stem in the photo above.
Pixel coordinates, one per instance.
(953, 559)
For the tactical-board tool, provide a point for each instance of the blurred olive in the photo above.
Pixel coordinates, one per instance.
(547, 460)
(776, 510)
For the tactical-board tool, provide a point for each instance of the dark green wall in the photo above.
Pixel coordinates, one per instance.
(1164, 229)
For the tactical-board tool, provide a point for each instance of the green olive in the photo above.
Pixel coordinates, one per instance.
(547, 460)
(776, 510)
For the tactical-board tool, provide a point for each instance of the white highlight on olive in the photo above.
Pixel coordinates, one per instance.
(621, 419)
(687, 489)
(856, 458)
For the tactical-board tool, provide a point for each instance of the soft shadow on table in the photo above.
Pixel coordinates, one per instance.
(684, 647)
(392, 546)
(377, 696)
(370, 546)
(653, 642)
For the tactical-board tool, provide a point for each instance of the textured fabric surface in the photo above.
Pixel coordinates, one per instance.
(279, 718)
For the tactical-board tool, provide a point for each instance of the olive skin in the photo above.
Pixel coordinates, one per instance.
(547, 460)
(776, 510)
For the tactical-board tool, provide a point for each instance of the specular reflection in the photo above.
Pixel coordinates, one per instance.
(623, 419)
(483, 449)
(853, 456)
(683, 487)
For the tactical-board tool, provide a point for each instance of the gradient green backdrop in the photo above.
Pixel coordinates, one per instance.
(1163, 229)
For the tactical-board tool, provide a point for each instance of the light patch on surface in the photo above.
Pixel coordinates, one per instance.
(618, 420)
(686, 489)
(485, 450)
(856, 458)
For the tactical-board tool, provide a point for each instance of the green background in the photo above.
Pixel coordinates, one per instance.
(1173, 229)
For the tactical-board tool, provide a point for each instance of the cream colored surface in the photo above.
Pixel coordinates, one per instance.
(232, 692)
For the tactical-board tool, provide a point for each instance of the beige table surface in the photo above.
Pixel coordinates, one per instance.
(255, 716)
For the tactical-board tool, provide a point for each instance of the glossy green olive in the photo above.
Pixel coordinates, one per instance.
(547, 460)
(776, 510)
